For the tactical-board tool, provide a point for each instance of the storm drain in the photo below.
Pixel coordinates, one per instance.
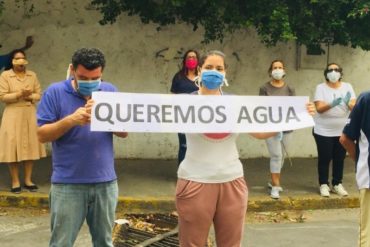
(154, 230)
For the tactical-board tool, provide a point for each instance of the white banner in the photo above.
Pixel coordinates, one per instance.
(134, 112)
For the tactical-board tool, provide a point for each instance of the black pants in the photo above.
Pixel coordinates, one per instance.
(182, 147)
(330, 149)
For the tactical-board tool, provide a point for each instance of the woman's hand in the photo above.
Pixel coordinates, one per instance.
(26, 92)
(23, 93)
(311, 109)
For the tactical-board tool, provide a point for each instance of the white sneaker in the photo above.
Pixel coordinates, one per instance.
(270, 186)
(324, 190)
(340, 190)
(275, 192)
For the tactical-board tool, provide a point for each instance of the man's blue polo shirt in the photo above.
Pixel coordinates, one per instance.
(80, 155)
(358, 130)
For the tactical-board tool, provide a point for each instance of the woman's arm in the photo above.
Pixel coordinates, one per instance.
(5, 95)
(322, 106)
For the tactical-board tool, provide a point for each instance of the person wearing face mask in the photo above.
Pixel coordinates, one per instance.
(20, 90)
(84, 182)
(334, 100)
(6, 60)
(211, 187)
(183, 82)
(277, 145)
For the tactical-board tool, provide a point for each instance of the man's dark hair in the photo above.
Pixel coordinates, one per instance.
(90, 58)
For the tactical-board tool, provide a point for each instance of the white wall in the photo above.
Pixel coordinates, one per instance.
(61, 27)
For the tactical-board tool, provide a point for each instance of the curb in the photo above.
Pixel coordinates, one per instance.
(167, 204)
(302, 203)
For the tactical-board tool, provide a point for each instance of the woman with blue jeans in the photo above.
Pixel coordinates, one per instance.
(277, 145)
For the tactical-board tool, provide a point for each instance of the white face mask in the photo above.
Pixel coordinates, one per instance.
(333, 76)
(277, 74)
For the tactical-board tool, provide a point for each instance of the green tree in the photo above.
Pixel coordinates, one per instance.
(1, 6)
(309, 22)
(26, 5)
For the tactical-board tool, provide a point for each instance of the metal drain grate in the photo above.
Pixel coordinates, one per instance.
(157, 230)
(152, 230)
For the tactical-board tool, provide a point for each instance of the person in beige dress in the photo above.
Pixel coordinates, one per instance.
(20, 91)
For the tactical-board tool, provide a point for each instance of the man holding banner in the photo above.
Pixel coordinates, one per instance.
(84, 182)
(211, 186)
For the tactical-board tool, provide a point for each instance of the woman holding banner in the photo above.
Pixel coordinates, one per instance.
(278, 144)
(183, 82)
(211, 186)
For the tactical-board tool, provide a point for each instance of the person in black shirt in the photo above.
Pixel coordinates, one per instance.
(183, 82)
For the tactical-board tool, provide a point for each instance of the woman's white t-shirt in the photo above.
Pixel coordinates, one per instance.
(211, 158)
(331, 122)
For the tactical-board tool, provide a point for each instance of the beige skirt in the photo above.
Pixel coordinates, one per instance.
(18, 134)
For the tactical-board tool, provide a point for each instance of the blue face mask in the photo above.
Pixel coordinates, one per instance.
(87, 87)
(212, 79)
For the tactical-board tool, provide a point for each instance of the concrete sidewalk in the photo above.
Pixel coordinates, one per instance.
(149, 185)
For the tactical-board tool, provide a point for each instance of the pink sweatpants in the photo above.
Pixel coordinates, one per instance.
(201, 204)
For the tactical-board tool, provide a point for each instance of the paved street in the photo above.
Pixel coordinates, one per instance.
(330, 228)
(30, 228)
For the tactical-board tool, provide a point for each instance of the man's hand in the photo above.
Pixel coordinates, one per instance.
(349, 145)
(121, 134)
(80, 116)
(89, 104)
